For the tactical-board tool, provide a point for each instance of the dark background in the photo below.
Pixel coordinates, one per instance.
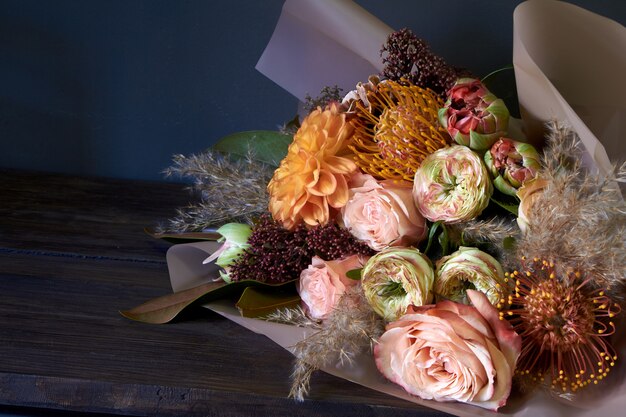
(115, 87)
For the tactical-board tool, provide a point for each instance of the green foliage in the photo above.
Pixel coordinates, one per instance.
(266, 146)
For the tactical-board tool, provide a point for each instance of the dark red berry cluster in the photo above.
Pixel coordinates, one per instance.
(333, 242)
(275, 254)
(407, 57)
(278, 255)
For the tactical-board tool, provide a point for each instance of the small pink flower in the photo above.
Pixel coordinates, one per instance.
(382, 213)
(323, 283)
(451, 352)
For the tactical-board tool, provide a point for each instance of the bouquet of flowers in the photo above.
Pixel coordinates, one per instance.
(409, 224)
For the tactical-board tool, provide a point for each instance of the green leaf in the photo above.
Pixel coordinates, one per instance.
(354, 274)
(431, 234)
(164, 309)
(508, 243)
(444, 241)
(259, 302)
(265, 145)
(510, 207)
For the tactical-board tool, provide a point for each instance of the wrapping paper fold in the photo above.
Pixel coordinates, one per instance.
(323, 43)
(187, 271)
(569, 65)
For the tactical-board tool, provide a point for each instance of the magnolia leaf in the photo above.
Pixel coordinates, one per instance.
(354, 274)
(164, 309)
(265, 146)
(259, 302)
(185, 237)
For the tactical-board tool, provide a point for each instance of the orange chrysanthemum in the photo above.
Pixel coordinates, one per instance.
(312, 179)
(397, 130)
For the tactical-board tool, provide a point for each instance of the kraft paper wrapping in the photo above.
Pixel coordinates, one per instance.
(569, 65)
(187, 271)
(323, 43)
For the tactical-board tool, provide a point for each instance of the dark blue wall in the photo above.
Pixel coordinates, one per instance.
(115, 87)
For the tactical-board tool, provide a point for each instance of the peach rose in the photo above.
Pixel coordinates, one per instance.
(382, 213)
(452, 352)
(528, 194)
(323, 283)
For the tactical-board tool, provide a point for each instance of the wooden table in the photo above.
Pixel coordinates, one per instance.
(72, 254)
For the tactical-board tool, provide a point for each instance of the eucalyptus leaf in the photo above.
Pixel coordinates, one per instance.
(164, 309)
(256, 302)
(265, 146)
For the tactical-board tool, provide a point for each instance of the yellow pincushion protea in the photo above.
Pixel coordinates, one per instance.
(312, 179)
(397, 130)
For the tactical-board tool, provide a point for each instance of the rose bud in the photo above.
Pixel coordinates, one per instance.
(451, 352)
(323, 283)
(235, 237)
(452, 185)
(473, 116)
(528, 194)
(511, 163)
(396, 278)
(470, 269)
(382, 213)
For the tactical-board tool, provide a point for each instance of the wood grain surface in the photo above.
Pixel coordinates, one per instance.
(72, 254)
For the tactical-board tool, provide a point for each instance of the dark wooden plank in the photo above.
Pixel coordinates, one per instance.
(157, 400)
(72, 254)
(87, 216)
(63, 326)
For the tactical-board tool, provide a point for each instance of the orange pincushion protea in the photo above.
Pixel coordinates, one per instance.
(398, 130)
(312, 179)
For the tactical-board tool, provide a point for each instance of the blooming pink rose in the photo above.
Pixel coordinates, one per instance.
(382, 213)
(452, 352)
(323, 283)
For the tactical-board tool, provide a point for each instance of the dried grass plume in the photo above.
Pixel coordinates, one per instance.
(579, 220)
(231, 190)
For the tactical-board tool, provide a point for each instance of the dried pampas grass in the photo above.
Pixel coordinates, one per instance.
(349, 330)
(579, 220)
(231, 190)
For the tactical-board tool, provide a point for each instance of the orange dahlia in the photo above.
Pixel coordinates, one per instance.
(312, 179)
(397, 128)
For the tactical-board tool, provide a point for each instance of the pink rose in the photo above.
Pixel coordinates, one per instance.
(323, 283)
(451, 352)
(382, 213)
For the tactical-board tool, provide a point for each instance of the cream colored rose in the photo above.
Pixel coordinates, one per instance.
(528, 195)
(470, 268)
(451, 352)
(382, 214)
(323, 283)
(395, 279)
